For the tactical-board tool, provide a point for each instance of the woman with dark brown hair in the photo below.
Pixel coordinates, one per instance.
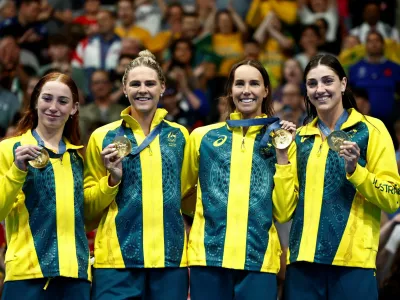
(41, 176)
(233, 247)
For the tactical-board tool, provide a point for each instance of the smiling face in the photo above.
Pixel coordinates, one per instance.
(143, 88)
(324, 89)
(55, 105)
(248, 91)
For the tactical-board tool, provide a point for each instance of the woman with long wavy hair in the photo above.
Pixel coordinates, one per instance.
(41, 176)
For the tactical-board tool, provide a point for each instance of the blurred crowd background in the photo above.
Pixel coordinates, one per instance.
(197, 42)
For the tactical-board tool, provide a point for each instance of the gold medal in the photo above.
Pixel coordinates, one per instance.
(281, 138)
(123, 145)
(40, 161)
(336, 139)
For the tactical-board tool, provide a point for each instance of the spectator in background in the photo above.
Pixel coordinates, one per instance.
(389, 242)
(89, 17)
(204, 8)
(171, 102)
(182, 55)
(285, 10)
(9, 61)
(180, 69)
(362, 100)
(102, 110)
(172, 15)
(60, 14)
(351, 51)
(222, 109)
(30, 33)
(309, 42)
(33, 80)
(127, 28)
(228, 31)
(251, 49)
(130, 46)
(292, 73)
(317, 9)
(7, 9)
(11, 74)
(276, 43)
(350, 41)
(60, 55)
(324, 45)
(117, 95)
(88, 20)
(391, 288)
(9, 106)
(100, 51)
(291, 108)
(371, 17)
(191, 27)
(380, 77)
(148, 16)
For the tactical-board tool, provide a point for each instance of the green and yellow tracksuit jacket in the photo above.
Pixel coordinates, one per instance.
(141, 224)
(43, 209)
(337, 217)
(233, 215)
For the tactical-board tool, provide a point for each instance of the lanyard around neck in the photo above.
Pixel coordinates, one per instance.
(152, 135)
(272, 122)
(326, 130)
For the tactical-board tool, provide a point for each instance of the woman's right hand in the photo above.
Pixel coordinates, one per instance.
(23, 154)
(282, 154)
(112, 163)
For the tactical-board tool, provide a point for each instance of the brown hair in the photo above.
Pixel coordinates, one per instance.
(30, 118)
(147, 59)
(266, 107)
(331, 62)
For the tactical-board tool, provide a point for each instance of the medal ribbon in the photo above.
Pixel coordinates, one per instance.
(272, 122)
(326, 130)
(152, 135)
(62, 147)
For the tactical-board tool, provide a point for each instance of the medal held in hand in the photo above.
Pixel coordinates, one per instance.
(123, 145)
(40, 161)
(281, 138)
(336, 139)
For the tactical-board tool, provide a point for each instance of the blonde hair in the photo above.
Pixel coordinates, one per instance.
(147, 59)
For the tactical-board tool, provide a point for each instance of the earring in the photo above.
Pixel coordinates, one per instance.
(342, 93)
(161, 95)
(71, 116)
(126, 96)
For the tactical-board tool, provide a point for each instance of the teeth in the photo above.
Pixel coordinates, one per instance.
(323, 98)
(247, 100)
(142, 99)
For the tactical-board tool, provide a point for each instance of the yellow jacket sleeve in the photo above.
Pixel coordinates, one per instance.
(379, 181)
(285, 193)
(190, 171)
(98, 194)
(11, 179)
(285, 10)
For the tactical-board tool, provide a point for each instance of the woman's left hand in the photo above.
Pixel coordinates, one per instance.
(351, 153)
